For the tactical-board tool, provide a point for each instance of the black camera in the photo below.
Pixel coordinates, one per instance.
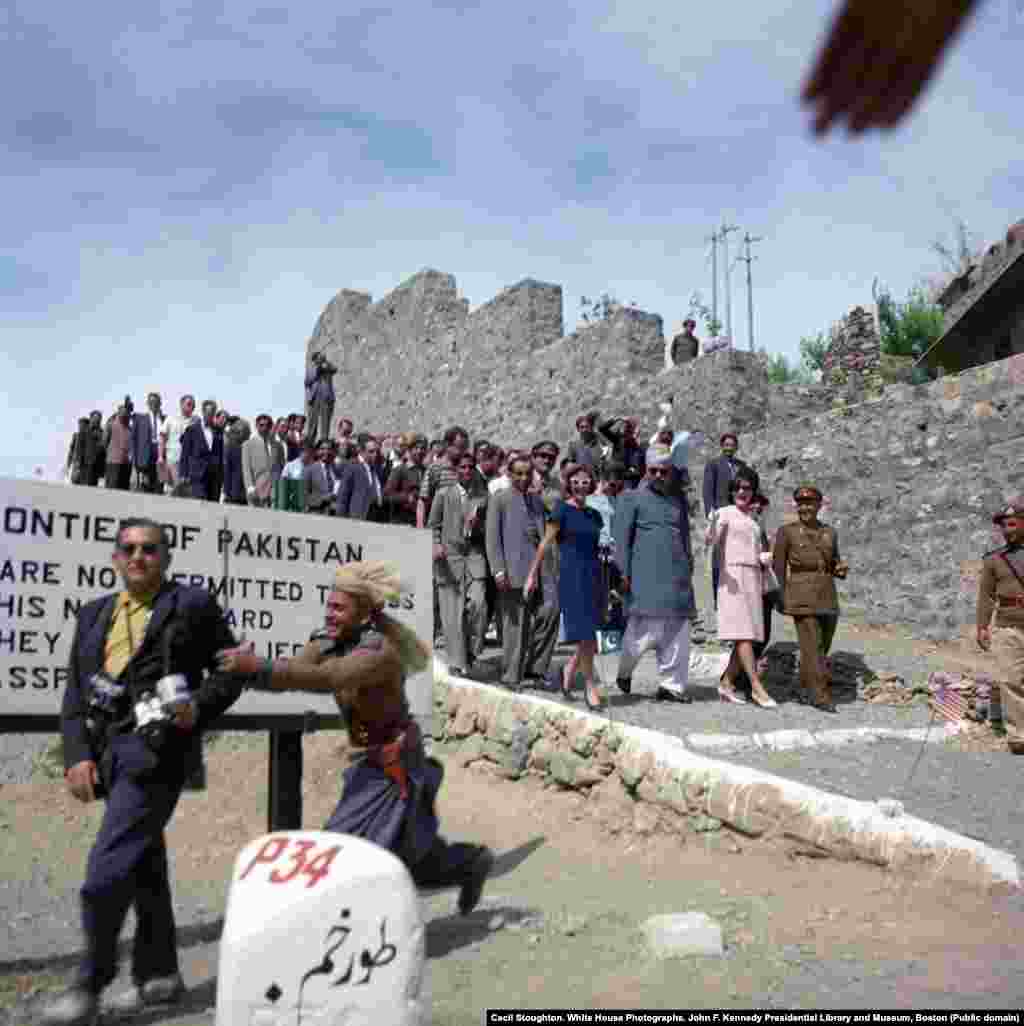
(129, 405)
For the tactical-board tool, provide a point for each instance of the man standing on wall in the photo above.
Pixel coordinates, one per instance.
(1001, 588)
(320, 391)
(263, 460)
(146, 430)
(685, 346)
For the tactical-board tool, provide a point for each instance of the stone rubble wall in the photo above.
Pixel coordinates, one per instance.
(910, 479)
(853, 359)
(640, 781)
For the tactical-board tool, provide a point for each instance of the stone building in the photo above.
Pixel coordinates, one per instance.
(910, 472)
(983, 309)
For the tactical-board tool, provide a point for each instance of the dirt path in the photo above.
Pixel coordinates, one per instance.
(559, 924)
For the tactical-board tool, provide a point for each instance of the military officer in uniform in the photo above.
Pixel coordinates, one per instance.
(806, 561)
(1001, 588)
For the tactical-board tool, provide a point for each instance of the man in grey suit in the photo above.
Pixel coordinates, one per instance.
(360, 494)
(460, 564)
(263, 459)
(146, 428)
(320, 396)
(515, 526)
(321, 481)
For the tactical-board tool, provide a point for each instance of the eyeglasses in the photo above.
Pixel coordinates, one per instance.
(146, 548)
(744, 488)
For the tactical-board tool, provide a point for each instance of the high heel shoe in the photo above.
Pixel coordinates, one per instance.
(728, 694)
(592, 706)
(765, 703)
(566, 685)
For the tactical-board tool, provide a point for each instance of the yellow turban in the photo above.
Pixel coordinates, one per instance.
(379, 583)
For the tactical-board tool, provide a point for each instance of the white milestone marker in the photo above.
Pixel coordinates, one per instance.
(321, 929)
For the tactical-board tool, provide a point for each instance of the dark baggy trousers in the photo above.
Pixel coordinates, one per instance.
(815, 633)
(127, 867)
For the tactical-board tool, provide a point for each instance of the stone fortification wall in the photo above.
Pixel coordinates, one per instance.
(910, 480)
(909, 475)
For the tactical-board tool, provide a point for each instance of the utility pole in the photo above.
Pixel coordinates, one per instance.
(724, 233)
(714, 276)
(748, 239)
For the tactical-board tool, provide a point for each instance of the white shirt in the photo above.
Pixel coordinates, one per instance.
(293, 470)
(173, 429)
(208, 435)
(498, 484)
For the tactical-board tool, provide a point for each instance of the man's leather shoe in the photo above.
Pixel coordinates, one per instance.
(665, 695)
(161, 990)
(473, 885)
(624, 684)
(75, 1007)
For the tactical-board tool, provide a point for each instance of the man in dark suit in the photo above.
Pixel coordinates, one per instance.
(529, 624)
(146, 429)
(320, 481)
(142, 650)
(201, 465)
(360, 494)
(718, 475)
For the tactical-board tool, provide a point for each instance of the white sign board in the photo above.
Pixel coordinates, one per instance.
(271, 572)
(320, 929)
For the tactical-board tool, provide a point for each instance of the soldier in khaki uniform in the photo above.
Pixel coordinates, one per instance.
(1002, 588)
(806, 561)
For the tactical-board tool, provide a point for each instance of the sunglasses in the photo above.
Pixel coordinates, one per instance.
(744, 488)
(146, 548)
(660, 471)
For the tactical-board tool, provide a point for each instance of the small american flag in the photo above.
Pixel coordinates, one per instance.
(949, 704)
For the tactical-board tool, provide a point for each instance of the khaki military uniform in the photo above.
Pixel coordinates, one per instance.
(1000, 590)
(803, 559)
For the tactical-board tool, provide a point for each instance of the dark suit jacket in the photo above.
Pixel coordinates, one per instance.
(319, 493)
(197, 459)
(357, 498)
(200, 631)
(234, 482)
(144, 442)
(717, 478)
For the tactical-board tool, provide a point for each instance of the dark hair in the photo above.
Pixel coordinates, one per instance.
(481, 443)
(729, 434)
(434, 442)
(187, 395)
(578, 468)
(364, 438)
(613, 471)
(145, 523)
(453, 432)
(546, 444)
(309, 445)
(467, 455)
(747, 475)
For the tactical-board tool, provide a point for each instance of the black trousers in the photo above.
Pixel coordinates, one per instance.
(127, 866)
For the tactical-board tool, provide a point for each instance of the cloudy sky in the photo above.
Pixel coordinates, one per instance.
(185, 186)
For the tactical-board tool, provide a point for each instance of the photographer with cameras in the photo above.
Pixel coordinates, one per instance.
(320, 396)
(135, 704)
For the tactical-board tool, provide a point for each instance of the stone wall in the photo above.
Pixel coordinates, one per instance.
(638, 781)
(910, 480)
(909, 475)
(853, 359)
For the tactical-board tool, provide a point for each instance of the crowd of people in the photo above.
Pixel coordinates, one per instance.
(538, 545)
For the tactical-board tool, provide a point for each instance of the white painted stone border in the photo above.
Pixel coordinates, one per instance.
(748, 800)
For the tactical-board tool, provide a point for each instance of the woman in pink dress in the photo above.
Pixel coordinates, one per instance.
(737, 536)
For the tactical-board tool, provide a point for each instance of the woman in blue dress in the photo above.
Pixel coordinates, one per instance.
(576, 528)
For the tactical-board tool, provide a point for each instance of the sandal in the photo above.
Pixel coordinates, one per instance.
(593, 706)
